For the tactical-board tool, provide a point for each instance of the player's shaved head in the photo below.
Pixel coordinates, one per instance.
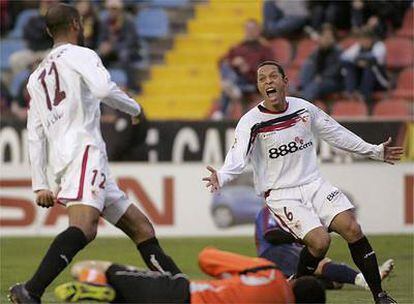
(60, 17)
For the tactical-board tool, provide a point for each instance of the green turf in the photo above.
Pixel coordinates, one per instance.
(20, 257)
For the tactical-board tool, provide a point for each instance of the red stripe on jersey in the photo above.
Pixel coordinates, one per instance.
(278, 123)
(82, 178)
(280, 126)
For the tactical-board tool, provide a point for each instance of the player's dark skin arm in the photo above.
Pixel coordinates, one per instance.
(278, 237)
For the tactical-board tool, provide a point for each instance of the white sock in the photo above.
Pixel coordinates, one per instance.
(360, 281)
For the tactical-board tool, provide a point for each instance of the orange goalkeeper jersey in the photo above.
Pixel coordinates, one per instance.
(243, 284)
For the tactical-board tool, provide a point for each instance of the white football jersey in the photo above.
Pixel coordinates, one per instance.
(282, 146)
(65, 94)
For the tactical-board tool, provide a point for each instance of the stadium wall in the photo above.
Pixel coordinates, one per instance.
(176, 201)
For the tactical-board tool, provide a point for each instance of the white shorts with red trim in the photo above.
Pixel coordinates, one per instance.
(87, 181)
(299, 210)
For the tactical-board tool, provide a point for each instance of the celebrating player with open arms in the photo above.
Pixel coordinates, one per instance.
(278, 136)
(66, 91)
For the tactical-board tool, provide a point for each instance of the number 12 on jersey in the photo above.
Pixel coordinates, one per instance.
(59, 95)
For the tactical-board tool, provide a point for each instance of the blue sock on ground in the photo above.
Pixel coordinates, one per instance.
(340, 273)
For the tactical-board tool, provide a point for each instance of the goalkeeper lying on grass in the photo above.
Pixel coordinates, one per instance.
(237, 279)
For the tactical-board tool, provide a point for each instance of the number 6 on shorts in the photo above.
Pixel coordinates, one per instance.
(288, 214)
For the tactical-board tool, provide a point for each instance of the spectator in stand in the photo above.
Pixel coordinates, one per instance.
(336, 13)
(364, 67)
(363, 15)
(284, 18)
(118, 42)
(37, 39)
(377, 15)
(321, 73)
(91, 23)
(238, 67)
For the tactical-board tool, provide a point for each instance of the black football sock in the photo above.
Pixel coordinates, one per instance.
(64, 247)
(307, 263)
(155, 257)
(366, 260)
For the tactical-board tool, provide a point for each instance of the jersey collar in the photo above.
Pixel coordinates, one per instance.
(267, 111)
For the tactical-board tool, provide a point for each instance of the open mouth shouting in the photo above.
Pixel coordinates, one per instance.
(271, 93)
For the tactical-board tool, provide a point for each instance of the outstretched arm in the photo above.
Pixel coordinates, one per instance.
(338, 136)
(234, 164)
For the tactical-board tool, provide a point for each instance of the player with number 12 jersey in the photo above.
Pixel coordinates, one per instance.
(66, 90)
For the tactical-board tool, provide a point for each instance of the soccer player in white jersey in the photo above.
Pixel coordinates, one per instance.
(278, 137)
(66, 91)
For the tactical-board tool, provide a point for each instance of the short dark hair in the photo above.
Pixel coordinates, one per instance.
(60, 17)
(274, 63)
(308, 289)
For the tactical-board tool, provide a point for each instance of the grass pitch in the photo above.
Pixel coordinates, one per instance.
(20, 257)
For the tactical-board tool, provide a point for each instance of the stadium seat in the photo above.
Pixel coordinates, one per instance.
(400, 53)
(21, 21)
(119, 77)
(152, 23)
(292, 74)
(304, 49)
(282, 51)
(407, 28)
(405, 85)
(349, 108)
(169, 3)
(8, 47)
(18, 81)
(392, 108)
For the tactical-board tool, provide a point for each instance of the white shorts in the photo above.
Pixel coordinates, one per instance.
(299, 210)
(87, 181)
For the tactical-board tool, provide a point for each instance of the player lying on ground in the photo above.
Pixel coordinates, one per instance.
(280, 247)
(66, 91)
(238, 279)
(279, 138)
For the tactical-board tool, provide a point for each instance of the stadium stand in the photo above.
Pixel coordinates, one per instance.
(8, 47)
(119, 77)
(399, 52)
(406, 29)
(181, 44)
(18, 81)
(282, 50)
(22, 19)
(169, 3)
(349, 109)
(405, 85)
(152, 23)
(292, 74)
(304, 48)
(187, 84)
(392, 109)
